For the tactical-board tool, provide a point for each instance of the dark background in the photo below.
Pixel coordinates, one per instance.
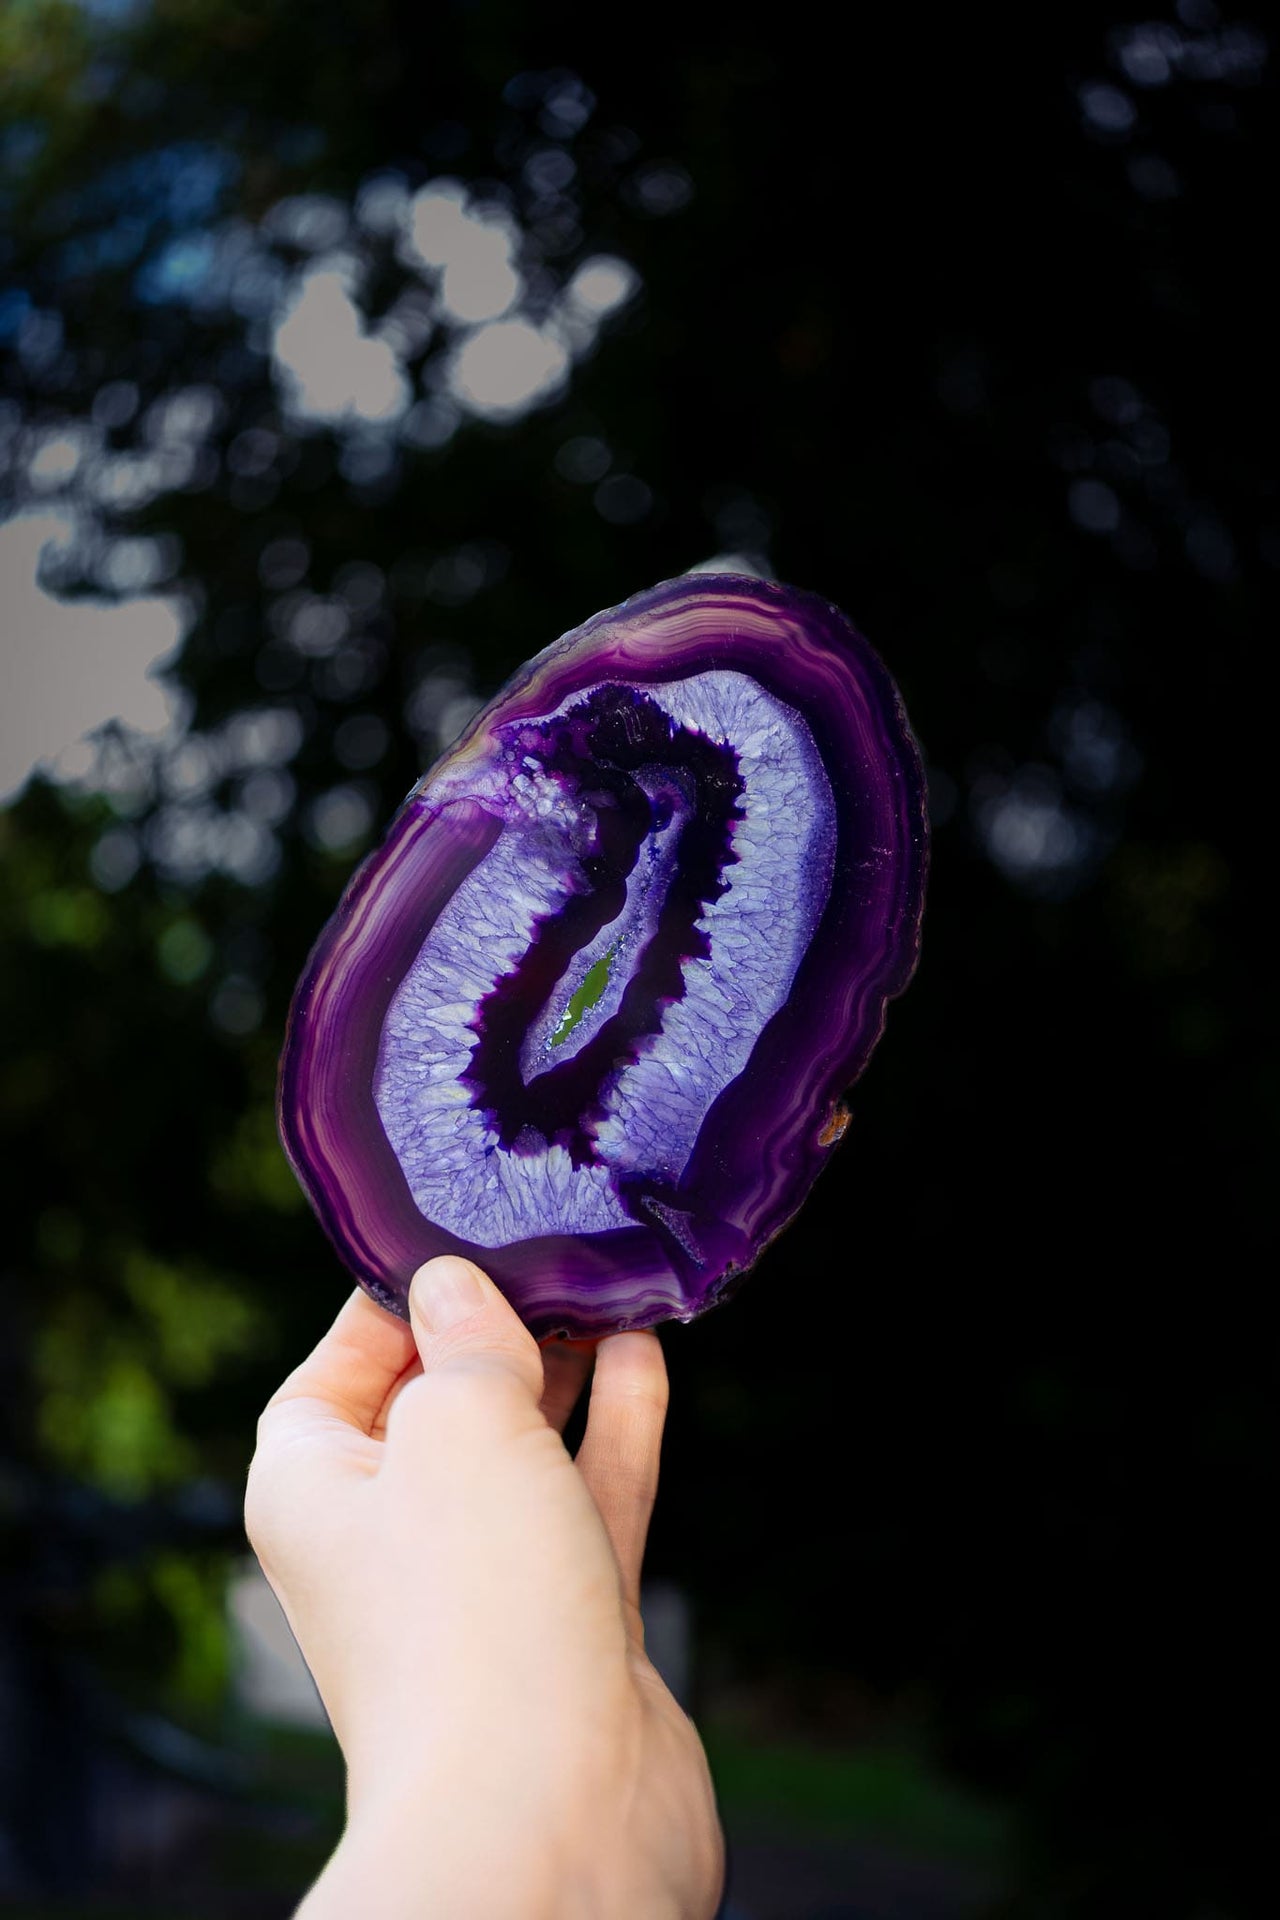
(965, 325)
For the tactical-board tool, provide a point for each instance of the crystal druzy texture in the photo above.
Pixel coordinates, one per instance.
(587, 1014)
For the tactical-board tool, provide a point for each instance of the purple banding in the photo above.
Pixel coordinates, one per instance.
(588, 1012)
(640, 1116)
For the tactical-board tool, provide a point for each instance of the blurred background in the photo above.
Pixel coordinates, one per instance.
(352, 354)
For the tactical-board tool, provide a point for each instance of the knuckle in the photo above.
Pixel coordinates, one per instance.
(649, 1392)
(463, 1389)
(517, 1355)
(488, 1342)
(641, 1399)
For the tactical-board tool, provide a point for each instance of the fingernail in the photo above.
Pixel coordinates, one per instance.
(446, 1291)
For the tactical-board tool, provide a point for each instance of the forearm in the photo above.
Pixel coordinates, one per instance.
(455, 1840)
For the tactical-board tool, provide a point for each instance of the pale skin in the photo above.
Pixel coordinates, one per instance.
(466, 1594)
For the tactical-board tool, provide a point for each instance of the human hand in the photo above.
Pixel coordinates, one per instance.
(466, 1595)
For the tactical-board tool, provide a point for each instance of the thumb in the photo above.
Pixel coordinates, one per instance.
(463, 1324)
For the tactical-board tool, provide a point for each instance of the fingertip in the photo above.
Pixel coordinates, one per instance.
(634, 1363)
(446, 1291)
(460, 1316)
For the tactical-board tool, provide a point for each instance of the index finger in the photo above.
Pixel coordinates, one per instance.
(348, 1377)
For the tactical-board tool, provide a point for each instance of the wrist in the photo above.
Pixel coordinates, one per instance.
(399, 1864)
(394, 1873)
(452, 1848)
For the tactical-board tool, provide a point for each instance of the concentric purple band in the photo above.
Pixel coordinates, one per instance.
(766, 1137)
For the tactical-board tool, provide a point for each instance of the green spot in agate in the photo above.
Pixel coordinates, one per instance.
(594, 982)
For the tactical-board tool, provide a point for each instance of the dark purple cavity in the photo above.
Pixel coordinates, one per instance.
(586, 1016)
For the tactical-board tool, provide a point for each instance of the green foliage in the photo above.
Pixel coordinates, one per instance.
(251, 1170)
(885, 1793)
(192, 1591)
(68, 918)
(108, 1364)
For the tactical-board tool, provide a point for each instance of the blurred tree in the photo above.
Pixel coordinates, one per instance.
(379, 346)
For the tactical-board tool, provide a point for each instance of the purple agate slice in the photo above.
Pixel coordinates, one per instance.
(588, 1013)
